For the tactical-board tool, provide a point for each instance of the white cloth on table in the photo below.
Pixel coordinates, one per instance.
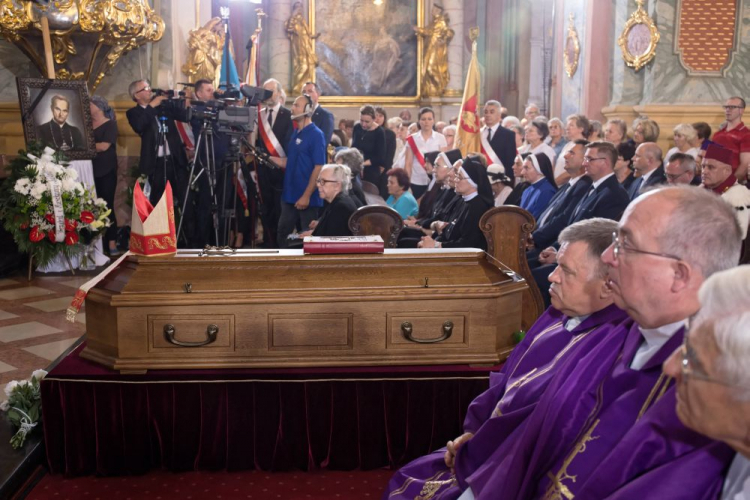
(85, 171)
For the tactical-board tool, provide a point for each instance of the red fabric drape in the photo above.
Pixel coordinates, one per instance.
(98, 422)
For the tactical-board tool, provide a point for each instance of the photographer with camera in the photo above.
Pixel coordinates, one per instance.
(163, 156)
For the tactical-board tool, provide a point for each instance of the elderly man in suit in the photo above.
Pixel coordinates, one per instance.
(160, 162)
(274, 131)
(649, 165)
(321, 117)
(498, 143)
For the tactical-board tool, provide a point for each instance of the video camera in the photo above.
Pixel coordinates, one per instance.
(224, 111)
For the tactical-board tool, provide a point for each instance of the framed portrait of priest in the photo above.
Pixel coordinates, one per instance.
(57, 114)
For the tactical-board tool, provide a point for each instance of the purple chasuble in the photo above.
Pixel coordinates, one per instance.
(502, 409)
(603, 430)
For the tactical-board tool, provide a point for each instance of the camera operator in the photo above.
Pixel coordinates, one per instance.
(274, 131)
(205, 92)
(160, 162)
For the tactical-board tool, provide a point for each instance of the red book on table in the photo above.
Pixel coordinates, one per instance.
(343, 244)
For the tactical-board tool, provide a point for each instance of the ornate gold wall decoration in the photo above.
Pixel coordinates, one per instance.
(206, 45)
(572, 51)
(302, 39)
(639, 38)
(88, 36)
(437, 35)
(707, 35)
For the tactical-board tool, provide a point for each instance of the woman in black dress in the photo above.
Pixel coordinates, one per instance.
(334, 182)
(105, 163)
(369, 138)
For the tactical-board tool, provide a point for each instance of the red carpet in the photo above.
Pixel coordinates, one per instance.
(160, 485)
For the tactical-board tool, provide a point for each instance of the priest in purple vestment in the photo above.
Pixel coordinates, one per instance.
(582, 312)
(607, 427)
(712, 372)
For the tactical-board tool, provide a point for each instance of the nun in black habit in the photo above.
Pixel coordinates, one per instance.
(474, 188)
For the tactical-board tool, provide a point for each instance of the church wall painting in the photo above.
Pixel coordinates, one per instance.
(57, 113)
(367, 52)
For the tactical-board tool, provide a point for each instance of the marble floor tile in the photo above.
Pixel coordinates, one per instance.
(7, 315)
(24, 293)
(25, 331)
(6, 282)
(51, 350)
(81, 318)
(75, 282)
(58, 304)
(5, 367)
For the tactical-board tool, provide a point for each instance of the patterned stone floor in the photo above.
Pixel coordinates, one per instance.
(33, 329)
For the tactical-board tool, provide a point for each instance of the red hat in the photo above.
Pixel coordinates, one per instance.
(721, 154)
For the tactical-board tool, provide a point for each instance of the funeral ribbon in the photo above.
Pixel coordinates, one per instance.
(75, 306)
(55, 191)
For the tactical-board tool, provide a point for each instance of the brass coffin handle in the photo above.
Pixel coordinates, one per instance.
(407, 329)
(211, 332)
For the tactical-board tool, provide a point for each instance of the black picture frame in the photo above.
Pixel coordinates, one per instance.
(35, 96)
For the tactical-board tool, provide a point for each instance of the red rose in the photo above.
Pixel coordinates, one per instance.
(51, 236)
(87, 217)
(50, 218)
(24, 226)
(36, 234)
(71, 238)
(70, 225)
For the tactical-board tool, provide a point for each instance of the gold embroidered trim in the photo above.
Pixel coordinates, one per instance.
(557, 490)
(411, 480)
(651, 395)
(431, 487)
(533, 374)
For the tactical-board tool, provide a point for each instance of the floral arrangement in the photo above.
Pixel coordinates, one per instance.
(40, 190)
(24, 406)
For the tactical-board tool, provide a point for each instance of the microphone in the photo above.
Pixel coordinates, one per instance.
(297, 117)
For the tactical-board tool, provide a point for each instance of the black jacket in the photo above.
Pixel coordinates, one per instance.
(144, 123)
(390, 147)
(335, 218)
(504, 144)
(609, 200)
(562, 206)
(657, 178)
(324, 121)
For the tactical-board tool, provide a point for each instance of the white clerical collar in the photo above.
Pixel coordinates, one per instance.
(469, 197)
(600, 181)
(573, 180)
(653, 340)
(646, 176)
(573, 322)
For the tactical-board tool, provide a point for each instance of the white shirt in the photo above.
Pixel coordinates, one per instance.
(546, 149)
(493, 128)
(572, 323)
(502, 196)
(645, 177)
(653, 340)
(737, 482)
(692, 152)
(275, 114)
(599, 182)
(435, 142)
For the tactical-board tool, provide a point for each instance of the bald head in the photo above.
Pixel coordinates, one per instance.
(647, 158)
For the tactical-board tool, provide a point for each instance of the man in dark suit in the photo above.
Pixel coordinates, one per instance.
(555, 218)
(57, 133)
(605, 198)
(321, 117)
(649, 165)
(502, 141)
(160, 162)
(271, 180)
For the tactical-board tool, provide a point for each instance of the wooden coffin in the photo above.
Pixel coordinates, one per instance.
(285, 309)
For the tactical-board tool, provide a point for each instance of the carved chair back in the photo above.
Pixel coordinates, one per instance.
(379, 220)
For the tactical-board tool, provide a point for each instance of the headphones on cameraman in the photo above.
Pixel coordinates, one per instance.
(309, 106)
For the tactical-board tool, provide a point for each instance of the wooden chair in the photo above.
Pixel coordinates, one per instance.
(369, 187)
(377, 220)
(506, 230)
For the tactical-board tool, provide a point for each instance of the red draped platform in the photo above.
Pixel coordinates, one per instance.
(97, 421)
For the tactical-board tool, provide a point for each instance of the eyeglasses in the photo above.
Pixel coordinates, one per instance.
(143, 89)
(674, 177)
(732, 106)
(322, 182)
(589, 159)
(620, 248)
